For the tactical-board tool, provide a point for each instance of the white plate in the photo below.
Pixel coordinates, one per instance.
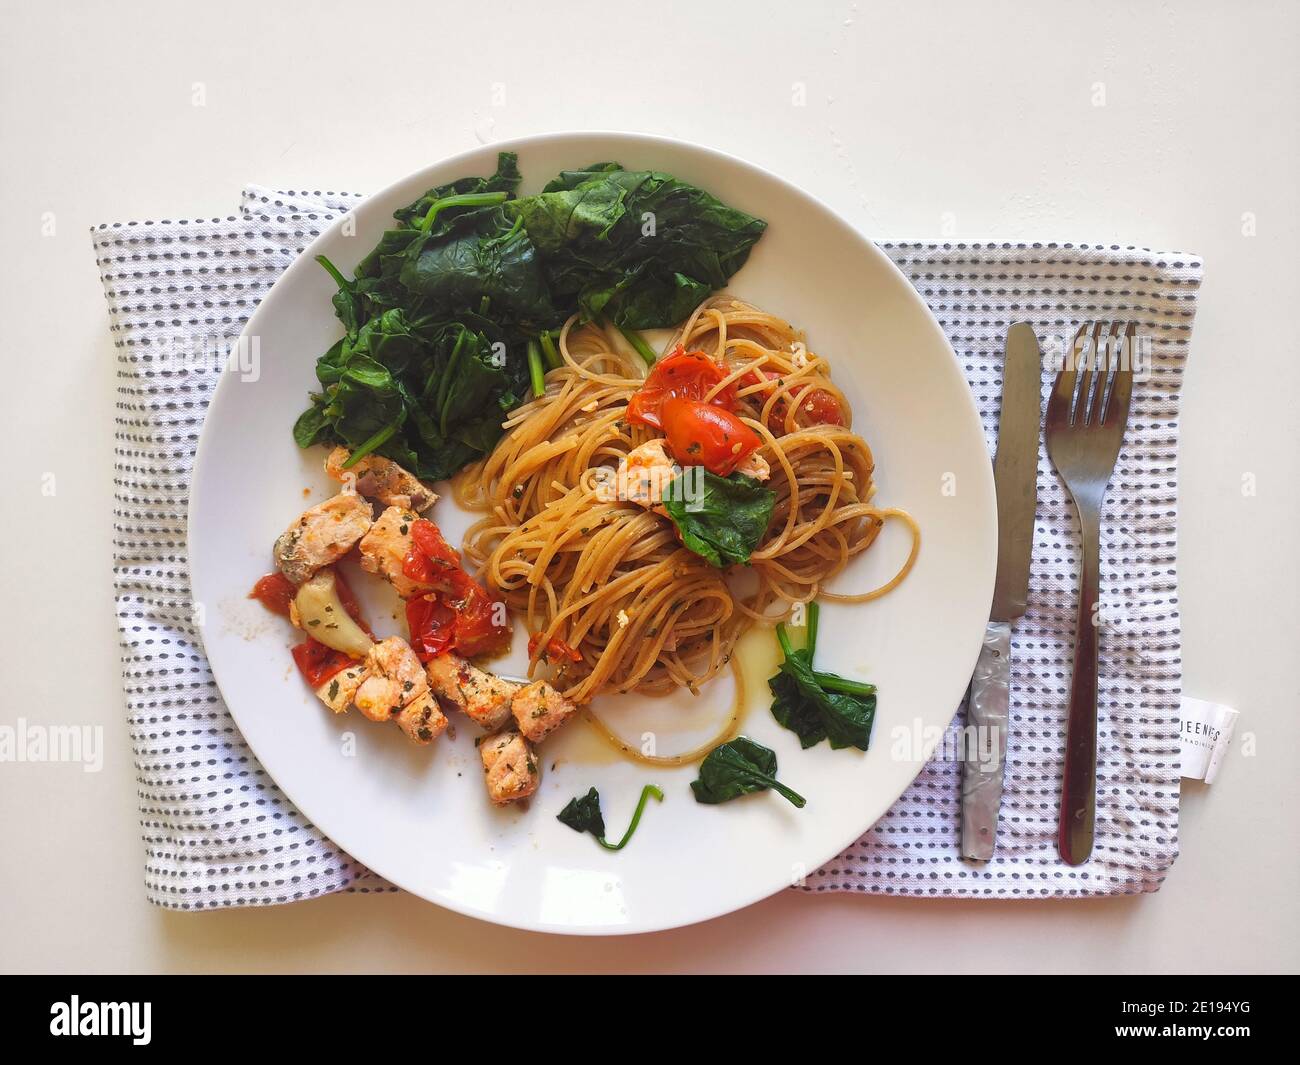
(419, 816)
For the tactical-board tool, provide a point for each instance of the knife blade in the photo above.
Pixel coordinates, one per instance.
(1015, 479)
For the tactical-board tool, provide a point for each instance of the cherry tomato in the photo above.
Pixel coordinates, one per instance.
(458, 614)
(318, 663)
(819, 407)
(482, 624)
(431, 557)
(680, 375)
(556, 649)
(477, 632)
(431, 625)
(757, 376)
(275, 592)
(700, 434)
(429, 539)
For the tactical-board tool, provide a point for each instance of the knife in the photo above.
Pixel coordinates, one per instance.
(1015, 478)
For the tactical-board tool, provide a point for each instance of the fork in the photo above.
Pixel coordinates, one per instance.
(1086, 415)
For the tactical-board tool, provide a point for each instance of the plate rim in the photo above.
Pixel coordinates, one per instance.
(518, 144)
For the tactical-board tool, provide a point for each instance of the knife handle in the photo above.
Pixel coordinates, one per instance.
(1079, 779)
(988, 710)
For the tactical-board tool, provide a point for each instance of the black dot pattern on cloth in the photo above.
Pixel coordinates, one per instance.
(219, 833)
(217, 830)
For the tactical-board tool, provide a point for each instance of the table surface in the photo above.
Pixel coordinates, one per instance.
(1113, 122)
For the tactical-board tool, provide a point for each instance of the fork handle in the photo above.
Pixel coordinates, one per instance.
(1079, 780)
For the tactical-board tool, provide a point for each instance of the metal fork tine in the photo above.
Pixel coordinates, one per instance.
(1060, 405)
(1122, 389)
(1084, 407)
(1112, 358)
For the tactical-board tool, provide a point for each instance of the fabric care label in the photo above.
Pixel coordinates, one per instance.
(1206, 737)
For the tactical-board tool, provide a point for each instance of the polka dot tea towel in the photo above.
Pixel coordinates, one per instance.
(217, 830)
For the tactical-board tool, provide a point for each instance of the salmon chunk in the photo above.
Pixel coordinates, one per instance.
(321, 536)
(647, 472)
(394, 678)
(539, 710)
(481, 696)
(510, 769)
(422, 719)
(381, 479)
(385, 547)
(755, 466)
(338, 692)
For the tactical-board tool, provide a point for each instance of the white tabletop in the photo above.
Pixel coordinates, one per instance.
(1109, 122)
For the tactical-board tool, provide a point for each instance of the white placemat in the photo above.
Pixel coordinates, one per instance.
(217, 830)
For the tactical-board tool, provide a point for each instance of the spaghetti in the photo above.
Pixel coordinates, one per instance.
(612, 580)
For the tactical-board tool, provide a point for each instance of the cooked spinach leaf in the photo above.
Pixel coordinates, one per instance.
(506, 179)
(818, 706)
(431, 396)
(449, 316)
(582, 814)
(739, 767)
(345, 300)
(636, 246)
(485, 255)
(726, 521)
